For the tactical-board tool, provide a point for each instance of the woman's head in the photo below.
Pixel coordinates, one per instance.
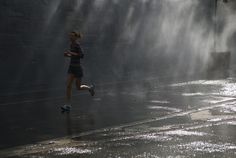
(75, 35)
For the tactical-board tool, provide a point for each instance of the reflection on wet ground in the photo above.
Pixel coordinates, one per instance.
(189, 119)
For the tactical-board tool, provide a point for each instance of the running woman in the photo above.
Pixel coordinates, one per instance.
(75, 71)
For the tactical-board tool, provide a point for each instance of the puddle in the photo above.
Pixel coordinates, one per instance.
(153, 137)
(215, 120)
(185, 133)
(150, 155)
(201, 82)
(207, 147)
(159, 101)
(188, 83)
(218, 118)
(143, 136)
(215, 100)
(165, 108)
(232, 123)
(228, 89)
(201, 115)
(229, 108)
(193, 94)
(72, 150)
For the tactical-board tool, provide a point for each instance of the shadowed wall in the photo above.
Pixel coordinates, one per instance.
(123, 39)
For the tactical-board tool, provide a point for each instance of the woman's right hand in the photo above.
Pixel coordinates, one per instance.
(67, 54)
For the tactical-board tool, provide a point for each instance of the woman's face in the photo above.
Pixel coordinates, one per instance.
(73, 36)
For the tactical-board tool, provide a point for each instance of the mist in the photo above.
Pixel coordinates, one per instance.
(123, 39)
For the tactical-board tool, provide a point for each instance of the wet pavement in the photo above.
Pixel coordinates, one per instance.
(136, 119)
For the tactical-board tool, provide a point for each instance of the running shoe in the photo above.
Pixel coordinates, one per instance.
(66, 107)
(91, 90)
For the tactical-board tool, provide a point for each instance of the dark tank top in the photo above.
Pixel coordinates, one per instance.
(75, 47)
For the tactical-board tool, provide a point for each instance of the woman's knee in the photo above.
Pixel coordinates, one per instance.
(69, 86)
(78, 84)
(78, 87)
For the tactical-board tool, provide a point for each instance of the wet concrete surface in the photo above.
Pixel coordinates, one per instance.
(148, 119)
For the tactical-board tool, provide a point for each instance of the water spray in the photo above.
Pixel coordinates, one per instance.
(219, 62)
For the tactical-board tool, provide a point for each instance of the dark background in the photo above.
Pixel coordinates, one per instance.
(123, 39)
(132, 47)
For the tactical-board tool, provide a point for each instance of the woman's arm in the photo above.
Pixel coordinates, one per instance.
(69, 54)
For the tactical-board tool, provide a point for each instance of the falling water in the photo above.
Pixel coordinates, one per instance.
(122, 39)
(150, 37)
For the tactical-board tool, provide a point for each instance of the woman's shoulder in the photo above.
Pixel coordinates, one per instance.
(77, 44)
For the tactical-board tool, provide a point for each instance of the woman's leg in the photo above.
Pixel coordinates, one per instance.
(70, 80)
(85, 87)
(81, 87)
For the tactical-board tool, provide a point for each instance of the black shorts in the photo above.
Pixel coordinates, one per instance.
(77, 71)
